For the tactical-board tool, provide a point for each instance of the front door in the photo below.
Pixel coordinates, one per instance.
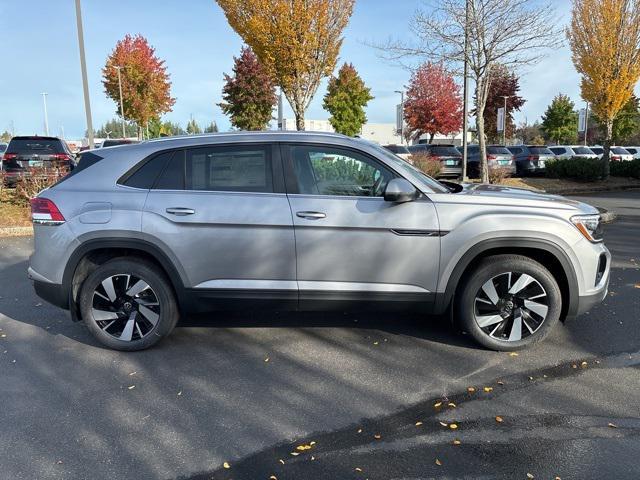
(222, 211)
(351, 244)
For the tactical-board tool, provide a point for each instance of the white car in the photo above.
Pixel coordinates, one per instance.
(617, 154)
(567, 152)
(635, 151)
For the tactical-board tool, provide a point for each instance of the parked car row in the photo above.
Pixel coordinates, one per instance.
(518, 160)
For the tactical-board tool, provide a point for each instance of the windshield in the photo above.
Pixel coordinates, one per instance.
(404, 166)
(619, 151)
(583, 150)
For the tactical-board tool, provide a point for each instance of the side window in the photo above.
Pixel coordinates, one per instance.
(516, 151)
(172, 177)
(557, 151)
(333, 171)
(146, 175)
(236, 169)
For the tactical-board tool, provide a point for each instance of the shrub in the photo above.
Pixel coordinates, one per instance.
(36, 180)
(498, 174)
(586, 170)
(426, 164)
(626, 169)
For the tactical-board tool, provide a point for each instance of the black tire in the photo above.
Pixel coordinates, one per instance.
(159, 297)
(472, 305)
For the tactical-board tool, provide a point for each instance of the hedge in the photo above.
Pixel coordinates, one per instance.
(587, 170)
(626, 169)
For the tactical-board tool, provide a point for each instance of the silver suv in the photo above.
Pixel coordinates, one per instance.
(138, 236)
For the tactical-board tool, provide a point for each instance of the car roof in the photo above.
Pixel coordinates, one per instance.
(272, 135)
(34, 137)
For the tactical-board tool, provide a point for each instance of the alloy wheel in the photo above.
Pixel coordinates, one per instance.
(511, 306)
(125, 307)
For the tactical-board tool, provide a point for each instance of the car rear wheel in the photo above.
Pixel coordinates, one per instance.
(128, 304)
(509, 302)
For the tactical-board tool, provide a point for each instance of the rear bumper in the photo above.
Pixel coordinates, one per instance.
(53, 293)
(450, 172)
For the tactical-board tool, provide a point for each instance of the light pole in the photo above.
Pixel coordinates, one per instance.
(46, 116)
(83, 68)
(465, 88)
(586, 123)
(401, 115)
(504, 120)
(118, 68)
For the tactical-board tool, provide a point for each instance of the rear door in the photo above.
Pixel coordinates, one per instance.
(352, 245)
(223, 213)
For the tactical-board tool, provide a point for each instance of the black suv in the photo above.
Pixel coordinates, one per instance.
(24, 153)
(531, 159)
(449, 156)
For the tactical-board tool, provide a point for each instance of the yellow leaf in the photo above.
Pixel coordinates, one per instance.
(471, 389)
(488, 389)
(437, 405)
(451, 404)
(377, 436)
(637, 285)
(273, 477)
(266, 359)
(295, 454)
(453, 426)
(418, 424)
(457, 442)
(513, 354)
(226, 465)
(312, 443)
(438, 462)
(358, 469)
(375, 343)
(529, 475)
(584, 364)
(499, 419)
(500, 382)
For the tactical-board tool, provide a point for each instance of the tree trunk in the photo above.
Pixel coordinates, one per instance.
(607, 150)
(482, 142)
(431, 135)
(299, 120)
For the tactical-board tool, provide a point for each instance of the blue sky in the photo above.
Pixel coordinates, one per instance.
(40, 54)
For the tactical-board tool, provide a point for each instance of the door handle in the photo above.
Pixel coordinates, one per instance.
(180, 211)
(311, 215)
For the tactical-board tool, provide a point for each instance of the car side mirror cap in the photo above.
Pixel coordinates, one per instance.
(400, 190)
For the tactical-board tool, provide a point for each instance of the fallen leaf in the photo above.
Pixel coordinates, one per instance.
(453, 426)
(312, 457)
(131, 387)
(295, 454)
(59, 462)
(457, 442)
(438, 462)
(4, 335)
(180, 393)
(557, 478)
(418, 424)
(471, 389)
(132, 373)
(281, 461)
(530, 476)
(637, 285)
(376, 343)
(612, 425)
(358, 469)
(359, 430)
(574, 366)
(513, 354)
(499, 419)
(226, 465)
(312, 443)
(437, 405)
(266, 360)
(377, 436)
(500, 382)
(488, 389)
(444, 424)
(451, 404)
(273, 477)
(584, 364)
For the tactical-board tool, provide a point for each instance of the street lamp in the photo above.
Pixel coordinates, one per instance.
(401, 115)
(83, 68)
(465, 87)
(118, 68)
(46, 116)
(504, 120)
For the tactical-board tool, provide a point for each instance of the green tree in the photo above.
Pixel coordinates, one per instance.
(250, 94)
(158, 128)
(345, 100)
(193, 128)
(560, 121)
(113, 129)
(211, 128)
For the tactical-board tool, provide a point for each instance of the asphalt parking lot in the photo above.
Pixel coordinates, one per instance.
(362, 396)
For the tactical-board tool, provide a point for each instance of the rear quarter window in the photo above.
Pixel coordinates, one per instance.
(147, 174)
(540, 151)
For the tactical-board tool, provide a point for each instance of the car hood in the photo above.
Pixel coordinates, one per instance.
(511, 196)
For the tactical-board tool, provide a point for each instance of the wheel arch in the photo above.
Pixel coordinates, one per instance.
(92, 253)
(545, 252)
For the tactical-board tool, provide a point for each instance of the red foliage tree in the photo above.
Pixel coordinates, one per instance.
(503, 83)
(145, 81)
(434, 104)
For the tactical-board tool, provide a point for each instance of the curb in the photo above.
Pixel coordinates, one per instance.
(577, 191)
(16, 231)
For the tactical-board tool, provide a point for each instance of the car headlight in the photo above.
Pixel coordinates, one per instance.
(590, 226)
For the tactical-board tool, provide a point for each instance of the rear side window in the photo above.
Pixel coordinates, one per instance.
(35, 145)
(619, 151)
(445, 151)
(597, 150)
(231, 169)
(145, 176)
(540, 151)
(498, 151)
(582, 151)
(632, 151)
(515, 150)
(557, 151)
(172, 177)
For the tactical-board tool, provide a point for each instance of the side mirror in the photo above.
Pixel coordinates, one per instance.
(400, 190)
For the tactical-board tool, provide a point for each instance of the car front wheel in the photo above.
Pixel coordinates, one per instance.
(128, 304)
(509, 302)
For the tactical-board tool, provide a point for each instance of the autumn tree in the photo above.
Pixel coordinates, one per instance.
(298, 41)
(193, 128)
(560, 121)
(145, 81)
(512, 33)
(346, 98)
(502, 83)
(626, 124)
(604, 36)
(250, 94)
(433, 103)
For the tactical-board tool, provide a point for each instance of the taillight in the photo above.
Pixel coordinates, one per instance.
(46, 212)
(533, 157)
(10, 156)
(435, 157)
(491, 157)
(62, 156)
(616, 158)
